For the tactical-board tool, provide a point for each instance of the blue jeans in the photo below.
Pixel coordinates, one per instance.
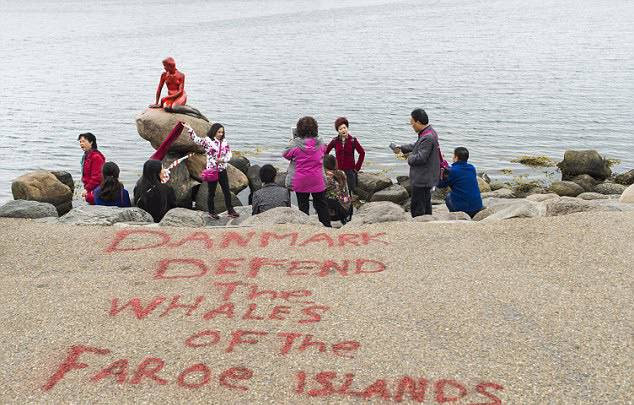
(452, 208)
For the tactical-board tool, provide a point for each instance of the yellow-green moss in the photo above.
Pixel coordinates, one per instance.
(535, 161)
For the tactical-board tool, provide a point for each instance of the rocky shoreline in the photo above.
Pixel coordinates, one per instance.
(587, 185)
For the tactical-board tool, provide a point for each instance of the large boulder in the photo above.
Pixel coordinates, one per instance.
(395, 193)
(219, 199)
(279, 215)
(180, 181)
(241, 163)
(182, 217)
(43, 186)
(491, 209)
(625, 179)
(280, 178)
(405, 182)
(483, 185)
(370, 183)
(253, 175)
(377, 212)
(102, 215)
(569, 205)
(609, 188)
(586, 181)
(27, 209)
(155, 124)
(65, 178)
(566, 188)
(589, 162)
(628, 195)
(196, 163)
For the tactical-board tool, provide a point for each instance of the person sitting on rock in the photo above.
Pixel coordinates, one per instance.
(91, 164)
(150, 194)
(337, 193)
(345, 145)
(271, 195)
(111, 191)
(465, 193)
(218, 155)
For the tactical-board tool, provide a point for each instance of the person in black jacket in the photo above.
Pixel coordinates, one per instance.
(424, 162)
(152, 196)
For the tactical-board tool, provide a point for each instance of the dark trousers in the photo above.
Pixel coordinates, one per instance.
(340, 212)
(452, 208)
(319, 204)
(223, 179)
(351, 177)
(421, 201)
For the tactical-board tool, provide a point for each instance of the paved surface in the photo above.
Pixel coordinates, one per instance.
(533, 311)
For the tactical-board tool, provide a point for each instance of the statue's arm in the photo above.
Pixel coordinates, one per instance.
(160, 87)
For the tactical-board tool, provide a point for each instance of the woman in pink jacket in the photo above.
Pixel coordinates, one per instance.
(307, 151)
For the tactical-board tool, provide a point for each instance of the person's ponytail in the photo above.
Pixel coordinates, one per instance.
(110, 188)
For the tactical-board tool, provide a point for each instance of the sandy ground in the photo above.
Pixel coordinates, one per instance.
(535, 311)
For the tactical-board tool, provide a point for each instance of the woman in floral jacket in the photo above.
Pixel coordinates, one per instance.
(218, 155)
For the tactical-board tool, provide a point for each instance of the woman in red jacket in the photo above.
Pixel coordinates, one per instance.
(345, 145)
(91, 164)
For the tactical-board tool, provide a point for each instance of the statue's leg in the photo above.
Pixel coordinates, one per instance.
(187, 110)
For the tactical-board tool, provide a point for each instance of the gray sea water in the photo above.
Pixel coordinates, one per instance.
(503, 78)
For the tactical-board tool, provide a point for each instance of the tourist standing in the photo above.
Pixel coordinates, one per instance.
(218, 155)
(91, 163)
(345, 145)
(307, 151)
(337, 193)
(424, 162)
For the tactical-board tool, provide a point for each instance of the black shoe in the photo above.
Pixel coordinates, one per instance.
(214, 215)
(233, 214)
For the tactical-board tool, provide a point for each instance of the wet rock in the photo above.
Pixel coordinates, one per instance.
(625, 179)
(378, 212)
(241, 163)
(43, 186)
(394, 193)
(566, 188)
(253, 175)
(584, 162)
(27, 209)
(586, 181)
(101, 215)
(609, 188)
(155, 124)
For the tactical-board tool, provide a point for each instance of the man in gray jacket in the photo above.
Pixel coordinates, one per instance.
(424, 162)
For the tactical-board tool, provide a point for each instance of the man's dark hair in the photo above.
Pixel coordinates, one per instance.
(267, 174)
(307, 127)
(421, 116)
(90, 138)
(461, 153)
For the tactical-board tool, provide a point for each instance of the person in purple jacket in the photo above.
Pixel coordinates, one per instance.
(307, 151)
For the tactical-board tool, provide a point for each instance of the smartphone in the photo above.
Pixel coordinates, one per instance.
(293, 132)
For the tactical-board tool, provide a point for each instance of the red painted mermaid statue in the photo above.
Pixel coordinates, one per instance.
(176, 98)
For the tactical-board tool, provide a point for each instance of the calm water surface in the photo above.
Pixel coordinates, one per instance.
(503, 78)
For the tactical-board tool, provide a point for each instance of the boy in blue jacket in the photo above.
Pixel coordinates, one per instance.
(465, 193)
